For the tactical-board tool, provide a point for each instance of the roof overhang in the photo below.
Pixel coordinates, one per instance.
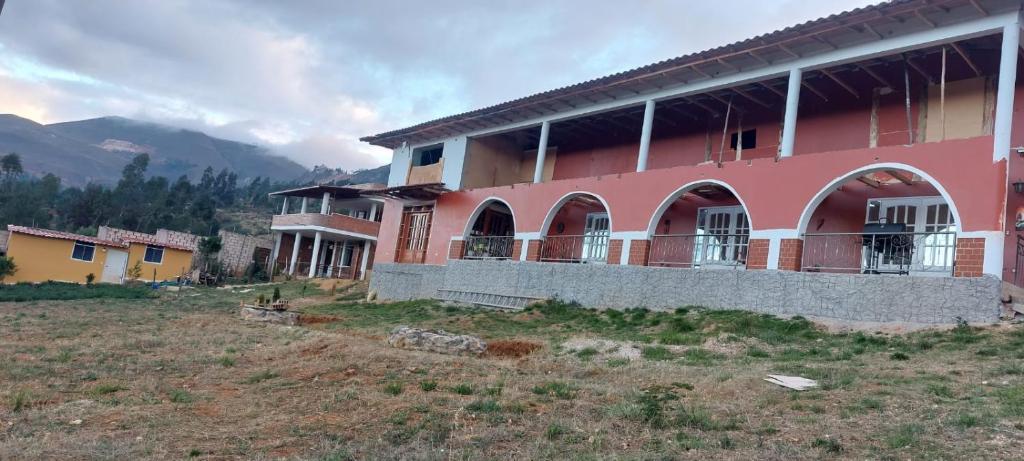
(414, 192)
(319, 190)
(860, 26)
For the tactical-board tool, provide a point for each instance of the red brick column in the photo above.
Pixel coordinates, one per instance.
(791, 254)
(639, 252)
(970, 257)
(517, 249)
(757, 253)
(457, 249)
(614, 251)
(533, 250)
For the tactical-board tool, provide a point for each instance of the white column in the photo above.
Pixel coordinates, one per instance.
(542, 150)
(325, 204)
(365, 256)
(284, 205)
(295, 253)
(314, 259)
(645, 136)
(273, 254)
(1004, 92)
(334, 257)
(789, 122)
(373, 211)
(305, 201)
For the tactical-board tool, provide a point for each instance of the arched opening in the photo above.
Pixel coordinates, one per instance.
(702, 225)
(577, 230)
(883, 219)
(490, 232)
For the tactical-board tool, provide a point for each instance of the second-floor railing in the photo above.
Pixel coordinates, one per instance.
(699, 250)
(331, 221)
(902, 253)
(592, 248)
(489, 247)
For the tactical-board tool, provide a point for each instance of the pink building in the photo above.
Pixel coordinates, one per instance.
(881, 140)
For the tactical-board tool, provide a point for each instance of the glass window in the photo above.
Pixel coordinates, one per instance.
(83, 251)
(154, 254)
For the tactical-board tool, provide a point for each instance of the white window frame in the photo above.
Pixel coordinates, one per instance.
(594, 248)
(699, 250)
(920, 221)
(83, 244)
(145, 253)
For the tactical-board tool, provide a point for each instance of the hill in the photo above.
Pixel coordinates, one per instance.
(95, 150)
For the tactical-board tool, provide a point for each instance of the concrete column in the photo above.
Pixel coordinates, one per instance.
(295, 253)
(315, 258)
(542, 150)
(645, 136)
(364, 258)
(305, 201)
(284, 205)
(789, 122)
(334, 258)
(373, 211)
(273, 254)
(1004, 92)
(325, 204)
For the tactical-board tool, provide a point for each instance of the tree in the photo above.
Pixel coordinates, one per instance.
(10, 164)
(7, 267)
(135, 272)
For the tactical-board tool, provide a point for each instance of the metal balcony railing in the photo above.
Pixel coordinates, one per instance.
(699, 250)
(575, 248)
(489, 247)
(902, 253)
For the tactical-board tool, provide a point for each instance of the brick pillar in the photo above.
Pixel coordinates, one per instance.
(757, 253)
(970, 257)
(517, 249)
(457, 249)
(639, 252)
(614, 251)
(790, 254)
(533, 250)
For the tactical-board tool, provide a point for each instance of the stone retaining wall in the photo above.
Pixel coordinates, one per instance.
(860, 298)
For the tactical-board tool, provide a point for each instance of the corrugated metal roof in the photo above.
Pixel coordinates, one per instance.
(64, 236)
(713, 53)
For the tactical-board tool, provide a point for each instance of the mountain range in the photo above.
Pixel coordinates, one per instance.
(95, 150)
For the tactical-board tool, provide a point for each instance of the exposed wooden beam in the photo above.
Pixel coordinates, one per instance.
(899, 175)
(778, 92)
(723, 101)
(963, 54)
(726, 64)
(871, 29)
(701, 72)
(840, 82)
(673, 108)
(758, 58)
(788, 51)
(814, 90)
(706, 107)
(874, 75)
(920, 70)
(924, 18)
(978, 7)
(871, 182)
(752, 98)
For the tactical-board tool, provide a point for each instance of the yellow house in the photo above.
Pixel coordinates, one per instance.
(42, 254)
(157, 261)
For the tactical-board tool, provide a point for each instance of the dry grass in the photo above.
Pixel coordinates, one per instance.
(180, 377)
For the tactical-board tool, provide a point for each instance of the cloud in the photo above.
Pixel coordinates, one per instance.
(309, 78)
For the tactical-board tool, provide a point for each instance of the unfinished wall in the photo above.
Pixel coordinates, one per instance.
(237, 250)
(493, 161)
(860, 298)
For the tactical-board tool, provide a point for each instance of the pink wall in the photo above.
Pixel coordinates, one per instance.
(775, 192)
(574, 216)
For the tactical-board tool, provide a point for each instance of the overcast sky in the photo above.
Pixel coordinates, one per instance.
(308, 78)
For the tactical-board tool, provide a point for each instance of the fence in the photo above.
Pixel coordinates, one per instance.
(489, 247)
(699, 250)
(901, 253)
(591, 248)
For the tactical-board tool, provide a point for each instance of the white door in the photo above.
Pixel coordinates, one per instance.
(930, 239)
(595, 238)
(113, 267)
(722, 236)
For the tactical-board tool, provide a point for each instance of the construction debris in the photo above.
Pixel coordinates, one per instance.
(793, 382)
(438, 341)
(258, 314)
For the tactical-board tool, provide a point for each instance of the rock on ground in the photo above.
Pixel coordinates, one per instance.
(270, 316)
(439, 341)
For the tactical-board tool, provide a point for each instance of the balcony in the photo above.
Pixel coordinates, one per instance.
(330, 221)
(896, 253)
(489, 247)
(426, 174)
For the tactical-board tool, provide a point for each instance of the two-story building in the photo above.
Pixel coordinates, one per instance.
(874, 150)
(326, 231)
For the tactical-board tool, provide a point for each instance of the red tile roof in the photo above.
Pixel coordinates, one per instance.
(63, 236)
(157, 243)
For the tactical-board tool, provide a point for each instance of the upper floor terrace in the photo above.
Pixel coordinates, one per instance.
(901, 73)
(340, 210)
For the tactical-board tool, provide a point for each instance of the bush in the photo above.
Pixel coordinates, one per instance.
(7, 267)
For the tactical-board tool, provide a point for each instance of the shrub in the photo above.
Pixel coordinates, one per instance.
(89, 278)
(393, 388)
(181, 396)
(277, 294)
(463, 389)
(135, 272)
(427, 386)
(7, 267)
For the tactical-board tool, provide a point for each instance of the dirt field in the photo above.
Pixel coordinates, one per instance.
(181, 376)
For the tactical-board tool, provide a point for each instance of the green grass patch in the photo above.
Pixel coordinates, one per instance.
(656, 353)
(259, 377)
(104, 389)
(484, 406)
(181, 396)
(558, 389)
(21, 292)
(903, 436)
(428, 386)
(463, 389)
